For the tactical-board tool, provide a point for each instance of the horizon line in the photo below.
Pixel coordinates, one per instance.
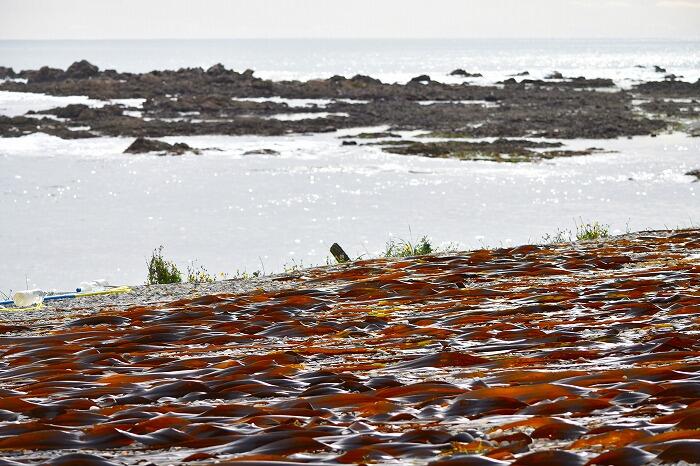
(132, 39)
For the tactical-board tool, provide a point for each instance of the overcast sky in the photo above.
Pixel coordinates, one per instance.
(139, 19)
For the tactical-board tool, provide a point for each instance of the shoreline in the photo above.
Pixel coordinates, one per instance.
(159, 294)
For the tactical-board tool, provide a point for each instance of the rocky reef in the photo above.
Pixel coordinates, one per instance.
(194, 101)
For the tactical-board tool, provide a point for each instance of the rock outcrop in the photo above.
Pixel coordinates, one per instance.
(82, 70)
(144, 146)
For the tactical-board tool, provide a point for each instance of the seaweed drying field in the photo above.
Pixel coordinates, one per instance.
(566, 354)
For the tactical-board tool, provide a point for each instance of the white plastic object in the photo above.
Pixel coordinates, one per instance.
(95, 285)
(28, 298)
(85, 287)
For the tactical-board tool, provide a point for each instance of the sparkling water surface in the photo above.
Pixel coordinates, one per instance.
(76, 210)
(81, 210)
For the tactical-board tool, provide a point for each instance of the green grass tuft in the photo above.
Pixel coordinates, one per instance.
(403, 248)
(592, 231)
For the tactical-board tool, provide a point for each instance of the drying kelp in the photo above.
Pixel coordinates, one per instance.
(558, 354)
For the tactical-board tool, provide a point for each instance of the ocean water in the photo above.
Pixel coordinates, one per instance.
(389, 60)
(76, 210)
(82, 210)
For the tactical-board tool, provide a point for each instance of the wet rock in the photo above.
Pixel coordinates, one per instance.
(669, 89)
(554, 75)
(362, 79)
(43, 75)
(522, 73)
(659, 69)
(466, 74)
(500, 150)
(422, 79)
(217, 70)
(349, 143)
(695, 173)
(6, 72)
(72, 111)
(82, 70)
(144, 146)
(261, 152)
(22, 126)
(377, 135)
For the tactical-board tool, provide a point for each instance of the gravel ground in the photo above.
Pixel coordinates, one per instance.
(54, 312)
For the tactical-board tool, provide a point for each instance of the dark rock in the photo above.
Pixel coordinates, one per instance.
(522, 73)
(362, 79)
(349, 143)
(71, 111)
(262, 152)
(143, 146)
(21, 126)
(695, 173)
(466, 74)
(377, 135)
(554, 75)
(217, 70)
(670, 89)
(509, 81)
(422, 79)
(45, 74)
(672, 77)
(500, 150)
(594, 82)
(659, 69)
(6, 72)
(82, 70)
(82, 112)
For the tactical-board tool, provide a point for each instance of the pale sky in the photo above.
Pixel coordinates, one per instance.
(202, 19)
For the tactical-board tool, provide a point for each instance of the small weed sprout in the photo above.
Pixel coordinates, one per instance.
(161, 271)
(592, 231)
(294, 266)
(199, 274)
(560, 236)
(247, 275)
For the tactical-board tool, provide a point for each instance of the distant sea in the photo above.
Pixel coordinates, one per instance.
(625, 61)
(79, 209)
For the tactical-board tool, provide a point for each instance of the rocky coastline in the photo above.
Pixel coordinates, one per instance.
(194, 101)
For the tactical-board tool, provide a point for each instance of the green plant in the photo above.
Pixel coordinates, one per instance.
(403, 248)
(162, 271)
(294, 266)
(199, 274)
(560, 236)
(591, 231)
(247, 275)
